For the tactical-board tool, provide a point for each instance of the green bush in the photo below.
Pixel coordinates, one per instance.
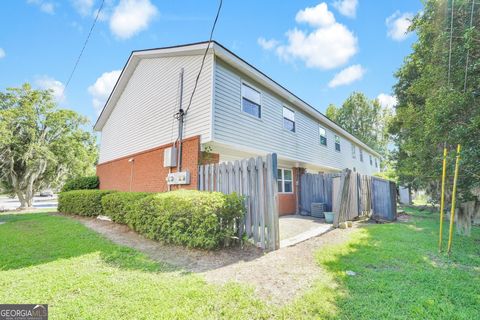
(187, 217)
(116, 205)
(82, 202)
(82, 183)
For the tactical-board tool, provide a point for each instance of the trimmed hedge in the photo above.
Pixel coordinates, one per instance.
(188, 217)
(82, 202)
(82, 183)
(116, 205)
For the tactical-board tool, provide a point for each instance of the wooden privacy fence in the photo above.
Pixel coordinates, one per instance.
(316, 188)
(256, 180)
(384, 199)
(349, 195)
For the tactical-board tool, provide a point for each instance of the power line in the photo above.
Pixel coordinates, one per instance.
(204, 56)
(83, 48)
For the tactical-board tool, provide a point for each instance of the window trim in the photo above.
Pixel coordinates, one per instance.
(361, 154)
(320, 136)
(354, 151)
(294, 121)
(283, 181)
(245, 83)
(339, 144)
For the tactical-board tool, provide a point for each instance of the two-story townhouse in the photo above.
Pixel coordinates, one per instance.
(237, 112)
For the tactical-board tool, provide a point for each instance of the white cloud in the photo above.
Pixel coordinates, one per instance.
(398, 24)
(346, 7)
(45, 6)
(329, 45)
(131, 17)
(84, 7)
(318, 16)
(101, 89)
(387, 101)
(2, 53)
(347, 76)
(267, 44)
(57, 87)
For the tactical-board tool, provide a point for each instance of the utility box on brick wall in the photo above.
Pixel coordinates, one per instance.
(170, 157)
(178, 178)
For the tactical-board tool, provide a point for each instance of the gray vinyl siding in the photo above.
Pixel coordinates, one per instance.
(143, 116)
(232, 126)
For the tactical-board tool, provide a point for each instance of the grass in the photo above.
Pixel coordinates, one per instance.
(55, 260)
(399, 275)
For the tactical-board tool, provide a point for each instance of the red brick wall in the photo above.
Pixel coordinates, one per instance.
(209, 158)
(148, 172)
(287, 202)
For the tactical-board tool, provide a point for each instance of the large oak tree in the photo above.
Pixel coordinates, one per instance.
(41, 145)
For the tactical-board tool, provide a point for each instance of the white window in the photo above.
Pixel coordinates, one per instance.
(288, 119)
(323, 136)
(354, 155)
(285, 181)
(251, 101)
(371, 160)
(337, 143)
(361, 154)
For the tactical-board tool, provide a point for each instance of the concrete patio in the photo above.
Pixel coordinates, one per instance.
(296, 228)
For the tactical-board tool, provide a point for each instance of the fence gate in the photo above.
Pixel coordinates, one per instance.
(256, 180)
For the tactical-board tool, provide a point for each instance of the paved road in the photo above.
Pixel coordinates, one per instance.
(7, 203)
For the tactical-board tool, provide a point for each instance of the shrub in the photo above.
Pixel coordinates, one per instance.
(82, 183)
(188, 217)
(82, 202)
(116, 205)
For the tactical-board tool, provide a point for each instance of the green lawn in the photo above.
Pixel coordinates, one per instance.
(399, 274)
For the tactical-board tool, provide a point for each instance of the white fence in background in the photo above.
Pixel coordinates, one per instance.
(256, 180)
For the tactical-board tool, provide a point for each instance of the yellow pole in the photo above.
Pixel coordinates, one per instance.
(452, 211)
(442, 198)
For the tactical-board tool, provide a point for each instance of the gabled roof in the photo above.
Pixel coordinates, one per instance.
(230, 58)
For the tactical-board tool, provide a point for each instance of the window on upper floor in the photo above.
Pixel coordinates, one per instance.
(288, 119)
(337, 143)
(251, 101)
(323, 136)
(371, 160)
(376, 163)
(285, 180)
(361, 154)
(354, 151)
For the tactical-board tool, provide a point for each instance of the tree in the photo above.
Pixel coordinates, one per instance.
(438, 91)
(40, 144)
(365, 119)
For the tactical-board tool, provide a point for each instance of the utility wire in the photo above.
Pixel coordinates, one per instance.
(83, 48)
(204, 56)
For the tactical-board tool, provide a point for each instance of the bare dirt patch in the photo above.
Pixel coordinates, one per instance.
(277, 277)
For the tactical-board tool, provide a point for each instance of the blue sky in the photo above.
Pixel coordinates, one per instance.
(321, 51)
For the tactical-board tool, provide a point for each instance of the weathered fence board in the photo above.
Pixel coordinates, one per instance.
(316, 188)
(256, 180)
(384, 199)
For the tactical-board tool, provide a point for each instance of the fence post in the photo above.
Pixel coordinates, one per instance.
(272, 211)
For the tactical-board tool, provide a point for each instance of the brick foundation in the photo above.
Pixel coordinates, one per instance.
(146, 172)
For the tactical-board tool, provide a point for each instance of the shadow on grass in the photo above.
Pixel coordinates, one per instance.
(33, 239)
(398, 274)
